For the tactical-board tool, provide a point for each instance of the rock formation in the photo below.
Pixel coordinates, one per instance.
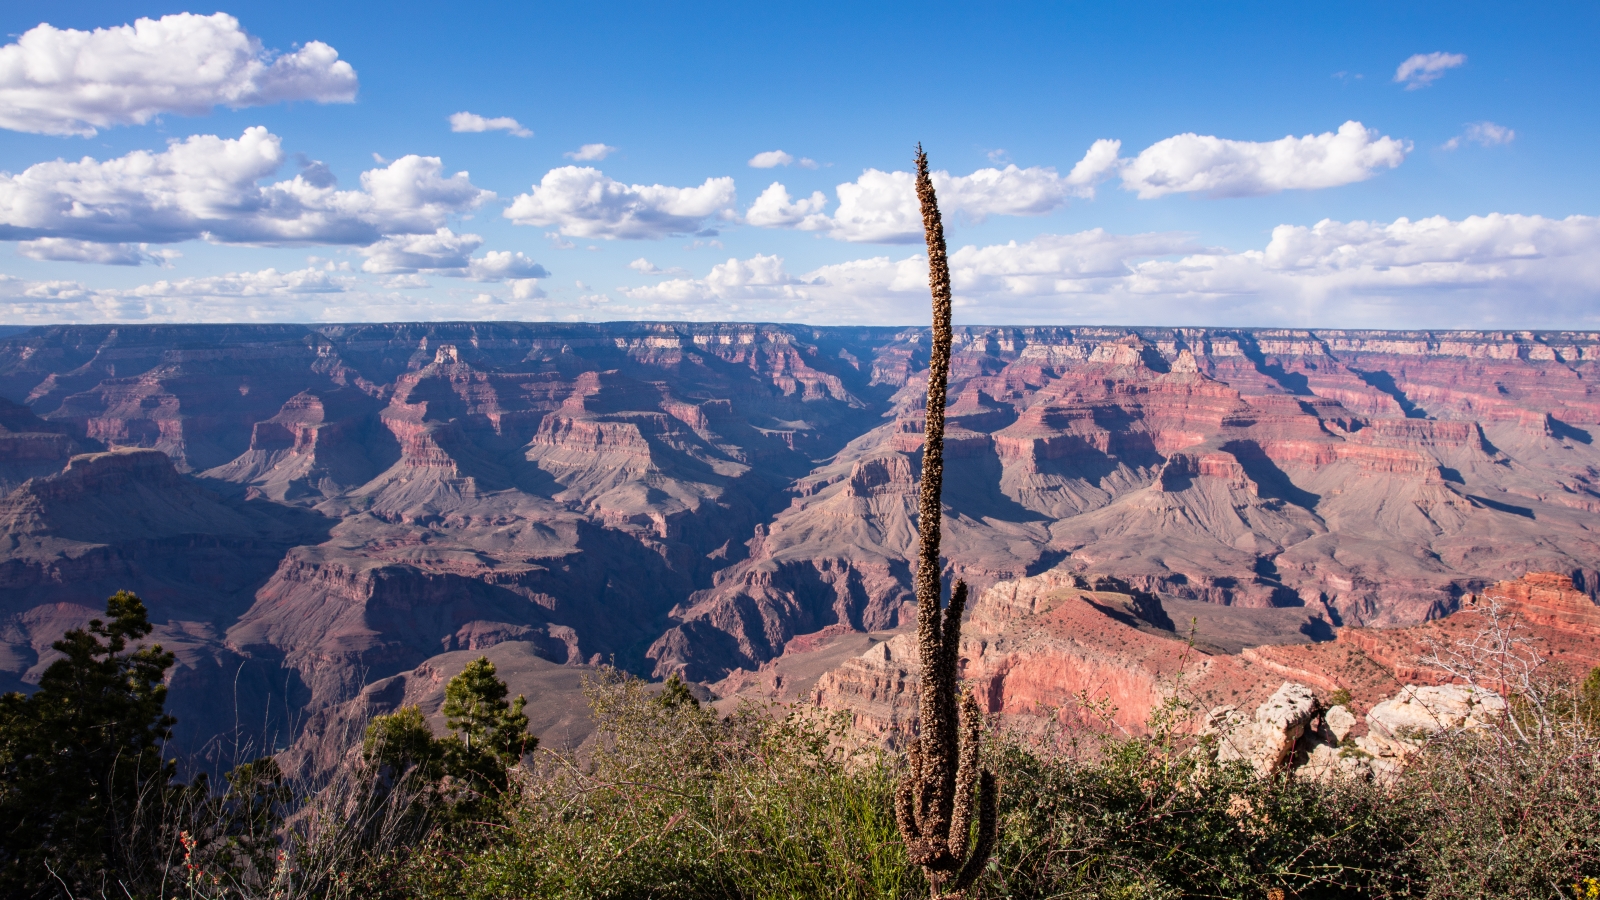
(1039, 651)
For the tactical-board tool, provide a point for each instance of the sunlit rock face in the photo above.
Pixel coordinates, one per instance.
(320, 508)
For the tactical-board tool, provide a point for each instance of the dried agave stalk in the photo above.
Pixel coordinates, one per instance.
(943, 786)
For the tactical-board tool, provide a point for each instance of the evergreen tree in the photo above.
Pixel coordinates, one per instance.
(80, 760)
(402, 743)
(490, 736)
(675, 694)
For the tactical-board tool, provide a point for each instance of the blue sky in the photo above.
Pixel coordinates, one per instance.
(1466, 196)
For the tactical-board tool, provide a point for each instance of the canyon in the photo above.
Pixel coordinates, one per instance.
(326, 520)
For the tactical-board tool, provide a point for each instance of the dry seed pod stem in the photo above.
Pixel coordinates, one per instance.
(944, 783)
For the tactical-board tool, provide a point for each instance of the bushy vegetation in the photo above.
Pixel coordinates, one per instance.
(674, 800)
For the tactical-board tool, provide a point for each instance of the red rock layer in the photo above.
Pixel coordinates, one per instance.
(1044, 650)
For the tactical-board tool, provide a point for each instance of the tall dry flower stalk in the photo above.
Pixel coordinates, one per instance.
(945, 787)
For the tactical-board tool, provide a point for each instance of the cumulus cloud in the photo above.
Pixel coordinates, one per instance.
(17, 291)
(646, 267)
(68, 250)
(581, 201)
(444, 249)
(1484, 134)
(472, 122)
(1498, 271)
(265, 283)
(322, 291)
(881, 207)
(1422, 69)
(206, 186)
(590, 152)
(446, 253)
(1491, 271)
(774, 209)
(504, 265)
(64, 81)
(1224, 168)
(770, 159)
(1100, 163)
(760, 277)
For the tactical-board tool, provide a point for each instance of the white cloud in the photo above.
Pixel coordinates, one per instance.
(881, 207)
(1422, 69)
(500, 265)
(774, 209)
(267, 282)
(582, 202)
(770, 159)
(590, 152)
(69, 250)
(444, 249)
(319, 292)
(760, 277)
(1011, 191)
(526, 289)
(1484, 134)
(16, 291)
(807, 162)
(64, 81)
(1493, 271)
(646, 267)
(446, 253)
(1224, 168)
(207, 186)
(1099, 163)
(472, 122)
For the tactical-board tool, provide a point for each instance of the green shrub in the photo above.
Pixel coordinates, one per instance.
(1140, 820)
(673, 801)
(1512, 812)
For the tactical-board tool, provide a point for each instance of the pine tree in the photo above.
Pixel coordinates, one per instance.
(80, 759)
(490, 735)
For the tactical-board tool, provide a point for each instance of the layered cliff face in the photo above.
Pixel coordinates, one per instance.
(322, 508)
(1257, 469)
(1055, 650)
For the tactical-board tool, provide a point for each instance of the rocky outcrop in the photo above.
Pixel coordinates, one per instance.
(1397, 728)
(31, 447)
(1040, 652)
(1034, 649)
(128, 519)
(1292, 732)
(1268, 739)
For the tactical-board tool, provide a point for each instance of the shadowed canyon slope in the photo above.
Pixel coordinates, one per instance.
(311, 510)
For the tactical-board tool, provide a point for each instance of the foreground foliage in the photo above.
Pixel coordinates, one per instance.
(673, 800)
(81, 774)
